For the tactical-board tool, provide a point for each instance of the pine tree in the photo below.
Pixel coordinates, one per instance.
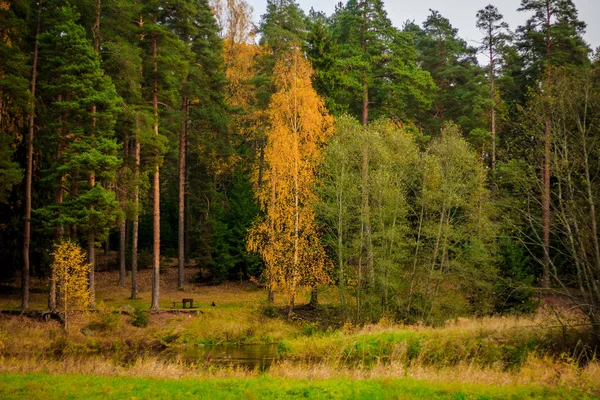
(87, 146)
(490, 22)
(452, 63)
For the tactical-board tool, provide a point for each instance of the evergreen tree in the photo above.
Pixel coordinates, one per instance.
(452, 64)
(14, 96)
(489, 21)
(283, 26)
(74, 82)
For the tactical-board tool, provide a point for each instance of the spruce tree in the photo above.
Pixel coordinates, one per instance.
(75, 83)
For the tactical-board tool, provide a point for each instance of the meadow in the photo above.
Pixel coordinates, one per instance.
(122, 350)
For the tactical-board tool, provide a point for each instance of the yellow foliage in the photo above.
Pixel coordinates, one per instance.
(70, 272)
(287, 238)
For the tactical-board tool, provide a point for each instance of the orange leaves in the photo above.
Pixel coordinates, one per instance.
(287, 238)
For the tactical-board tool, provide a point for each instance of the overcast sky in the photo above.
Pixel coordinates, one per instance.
(461, 13)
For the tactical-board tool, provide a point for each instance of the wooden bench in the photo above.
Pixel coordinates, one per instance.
(190, 302)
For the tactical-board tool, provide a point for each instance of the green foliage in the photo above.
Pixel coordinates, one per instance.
(75, 83)
(376, 56)
(140, 318)
(453, 67)
(514, 291)
(432, 227)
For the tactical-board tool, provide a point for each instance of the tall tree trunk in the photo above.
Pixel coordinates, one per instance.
(59, 228)
(367, 213)
(92, 177)
(365, 167)
(546, 166)
(136, 219)
(181, 225)
(124, 189)
(340, 245)
(29, 169)
(186, 241)
(155, 186)
(492, 104)
(92, 251)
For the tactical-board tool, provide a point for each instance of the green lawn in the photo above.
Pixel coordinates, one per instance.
(45, 386)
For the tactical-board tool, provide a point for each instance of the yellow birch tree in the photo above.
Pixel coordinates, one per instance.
(70, 272)
(286, 237)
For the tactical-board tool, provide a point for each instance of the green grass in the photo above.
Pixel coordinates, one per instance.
(44, 386)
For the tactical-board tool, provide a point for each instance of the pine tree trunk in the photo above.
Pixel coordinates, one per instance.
(136, 219)
(186, 241)
(365, 169)
(123, 226)
(92, 179)
(156, 188)
(92, 252)
(29, 170)
(492, 106)
(122, 248)
(59, 228)
(181, 226)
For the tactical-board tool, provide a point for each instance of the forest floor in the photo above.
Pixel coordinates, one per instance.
(316, 356)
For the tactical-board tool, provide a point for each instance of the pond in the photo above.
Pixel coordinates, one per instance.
(249, 356)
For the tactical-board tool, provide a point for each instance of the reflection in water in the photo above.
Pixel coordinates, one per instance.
(251, 356)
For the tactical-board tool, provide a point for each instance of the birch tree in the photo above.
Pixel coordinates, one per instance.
(287, 238)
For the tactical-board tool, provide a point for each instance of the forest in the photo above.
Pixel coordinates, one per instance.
(307, 150)
(377, 172)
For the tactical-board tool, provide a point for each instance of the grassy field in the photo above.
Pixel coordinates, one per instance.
(105, 355)
(44, 386)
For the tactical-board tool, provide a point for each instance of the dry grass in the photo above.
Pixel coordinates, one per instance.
(120, 349)
(537, 372)
(142, 367)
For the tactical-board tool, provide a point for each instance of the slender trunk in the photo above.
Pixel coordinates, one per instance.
(270, 283)
(340, 243)
(186, 241)
(122, 248)
(365, 169)
(136, 219)
(181, 227)
(155, 186)
(92, 251)
(295, 271)
(59, 228)
(123, 194)
(29, 170)
(367, 214)
(261, 164)
(492, 105)
(546, 204)
(546, 168)
(92, 178)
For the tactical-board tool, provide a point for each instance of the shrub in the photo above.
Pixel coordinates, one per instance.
(140, 318)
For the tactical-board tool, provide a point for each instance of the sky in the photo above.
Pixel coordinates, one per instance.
(461, 13)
